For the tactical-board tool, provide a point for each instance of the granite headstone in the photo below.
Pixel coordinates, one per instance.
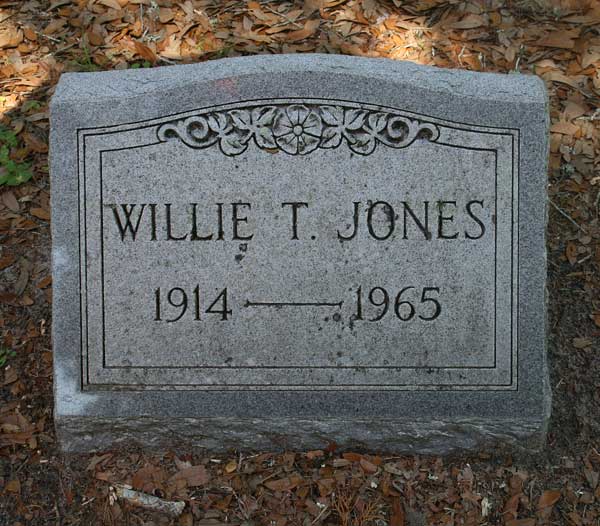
(286, 251)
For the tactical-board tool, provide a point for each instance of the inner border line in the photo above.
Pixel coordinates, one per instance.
(515, 162)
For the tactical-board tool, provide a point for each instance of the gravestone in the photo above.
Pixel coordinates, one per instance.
(287, 251)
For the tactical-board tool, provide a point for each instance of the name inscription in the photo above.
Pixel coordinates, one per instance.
(432, 219)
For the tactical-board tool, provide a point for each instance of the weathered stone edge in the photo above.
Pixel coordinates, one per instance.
(223, 434)
(76, 87)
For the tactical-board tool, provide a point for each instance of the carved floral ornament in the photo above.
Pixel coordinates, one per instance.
(297, 129)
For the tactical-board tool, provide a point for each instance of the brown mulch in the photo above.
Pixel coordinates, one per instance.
(559, 40)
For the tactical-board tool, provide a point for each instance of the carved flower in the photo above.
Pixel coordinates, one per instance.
(298, 130)
(340, 123)
(258, 122)
(231, 140)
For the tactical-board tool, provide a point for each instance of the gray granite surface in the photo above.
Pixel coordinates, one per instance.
(281, 251)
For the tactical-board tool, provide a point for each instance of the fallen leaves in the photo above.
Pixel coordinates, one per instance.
(469, 22)
(547, 500)
(560, 39)
(149, 478)
(565, 128)
(10, 36)
(368, 467)
(16, 429)
(398, 517)
(10, 201)
(284, 484)
(511, 506)
(40, 213)
(7, 261)
(231, 466)
(309, 29)
(14, 486)
(97, 460)
(582, 342)
(54, 26)
(114, 4)
(192, 476)
(145, 52)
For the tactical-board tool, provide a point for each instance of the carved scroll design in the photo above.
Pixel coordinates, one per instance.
(297, 129)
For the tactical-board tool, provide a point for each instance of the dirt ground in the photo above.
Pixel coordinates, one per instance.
(559, 40)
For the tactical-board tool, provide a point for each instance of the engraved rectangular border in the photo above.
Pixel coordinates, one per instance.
(513, 133)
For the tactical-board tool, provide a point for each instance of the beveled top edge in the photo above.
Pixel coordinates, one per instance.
(78, 87)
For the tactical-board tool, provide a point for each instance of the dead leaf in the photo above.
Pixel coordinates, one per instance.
(145, 52)
(35, 143)
(113, 4)
(95, 38)
(171, 48)
(14, 486)
(310, 27)
(7, 261)
(591, 57)
(368, 467)
(30, 33)
(512, 505)
(40, 213)
(564, 128)
(559, 39)
(10, 376)
(148, 478)
(10, 36)
(592, 477)
(591, 18)
(165, 15)
(10, 201)
(398, 517)
(571, 252)
(573, 110)
(340, 463)
(284, 484)
(548, 498)
(193, 476)
(582, 343)
(316, 453)
(469, 22)
(44, 282)
(97, 459)
(557, 76)
(310, 6)
(26, 301)
(58, 3)
(24, 272)
(55, 25)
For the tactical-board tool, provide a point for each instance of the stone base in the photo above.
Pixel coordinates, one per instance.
(79, 435)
